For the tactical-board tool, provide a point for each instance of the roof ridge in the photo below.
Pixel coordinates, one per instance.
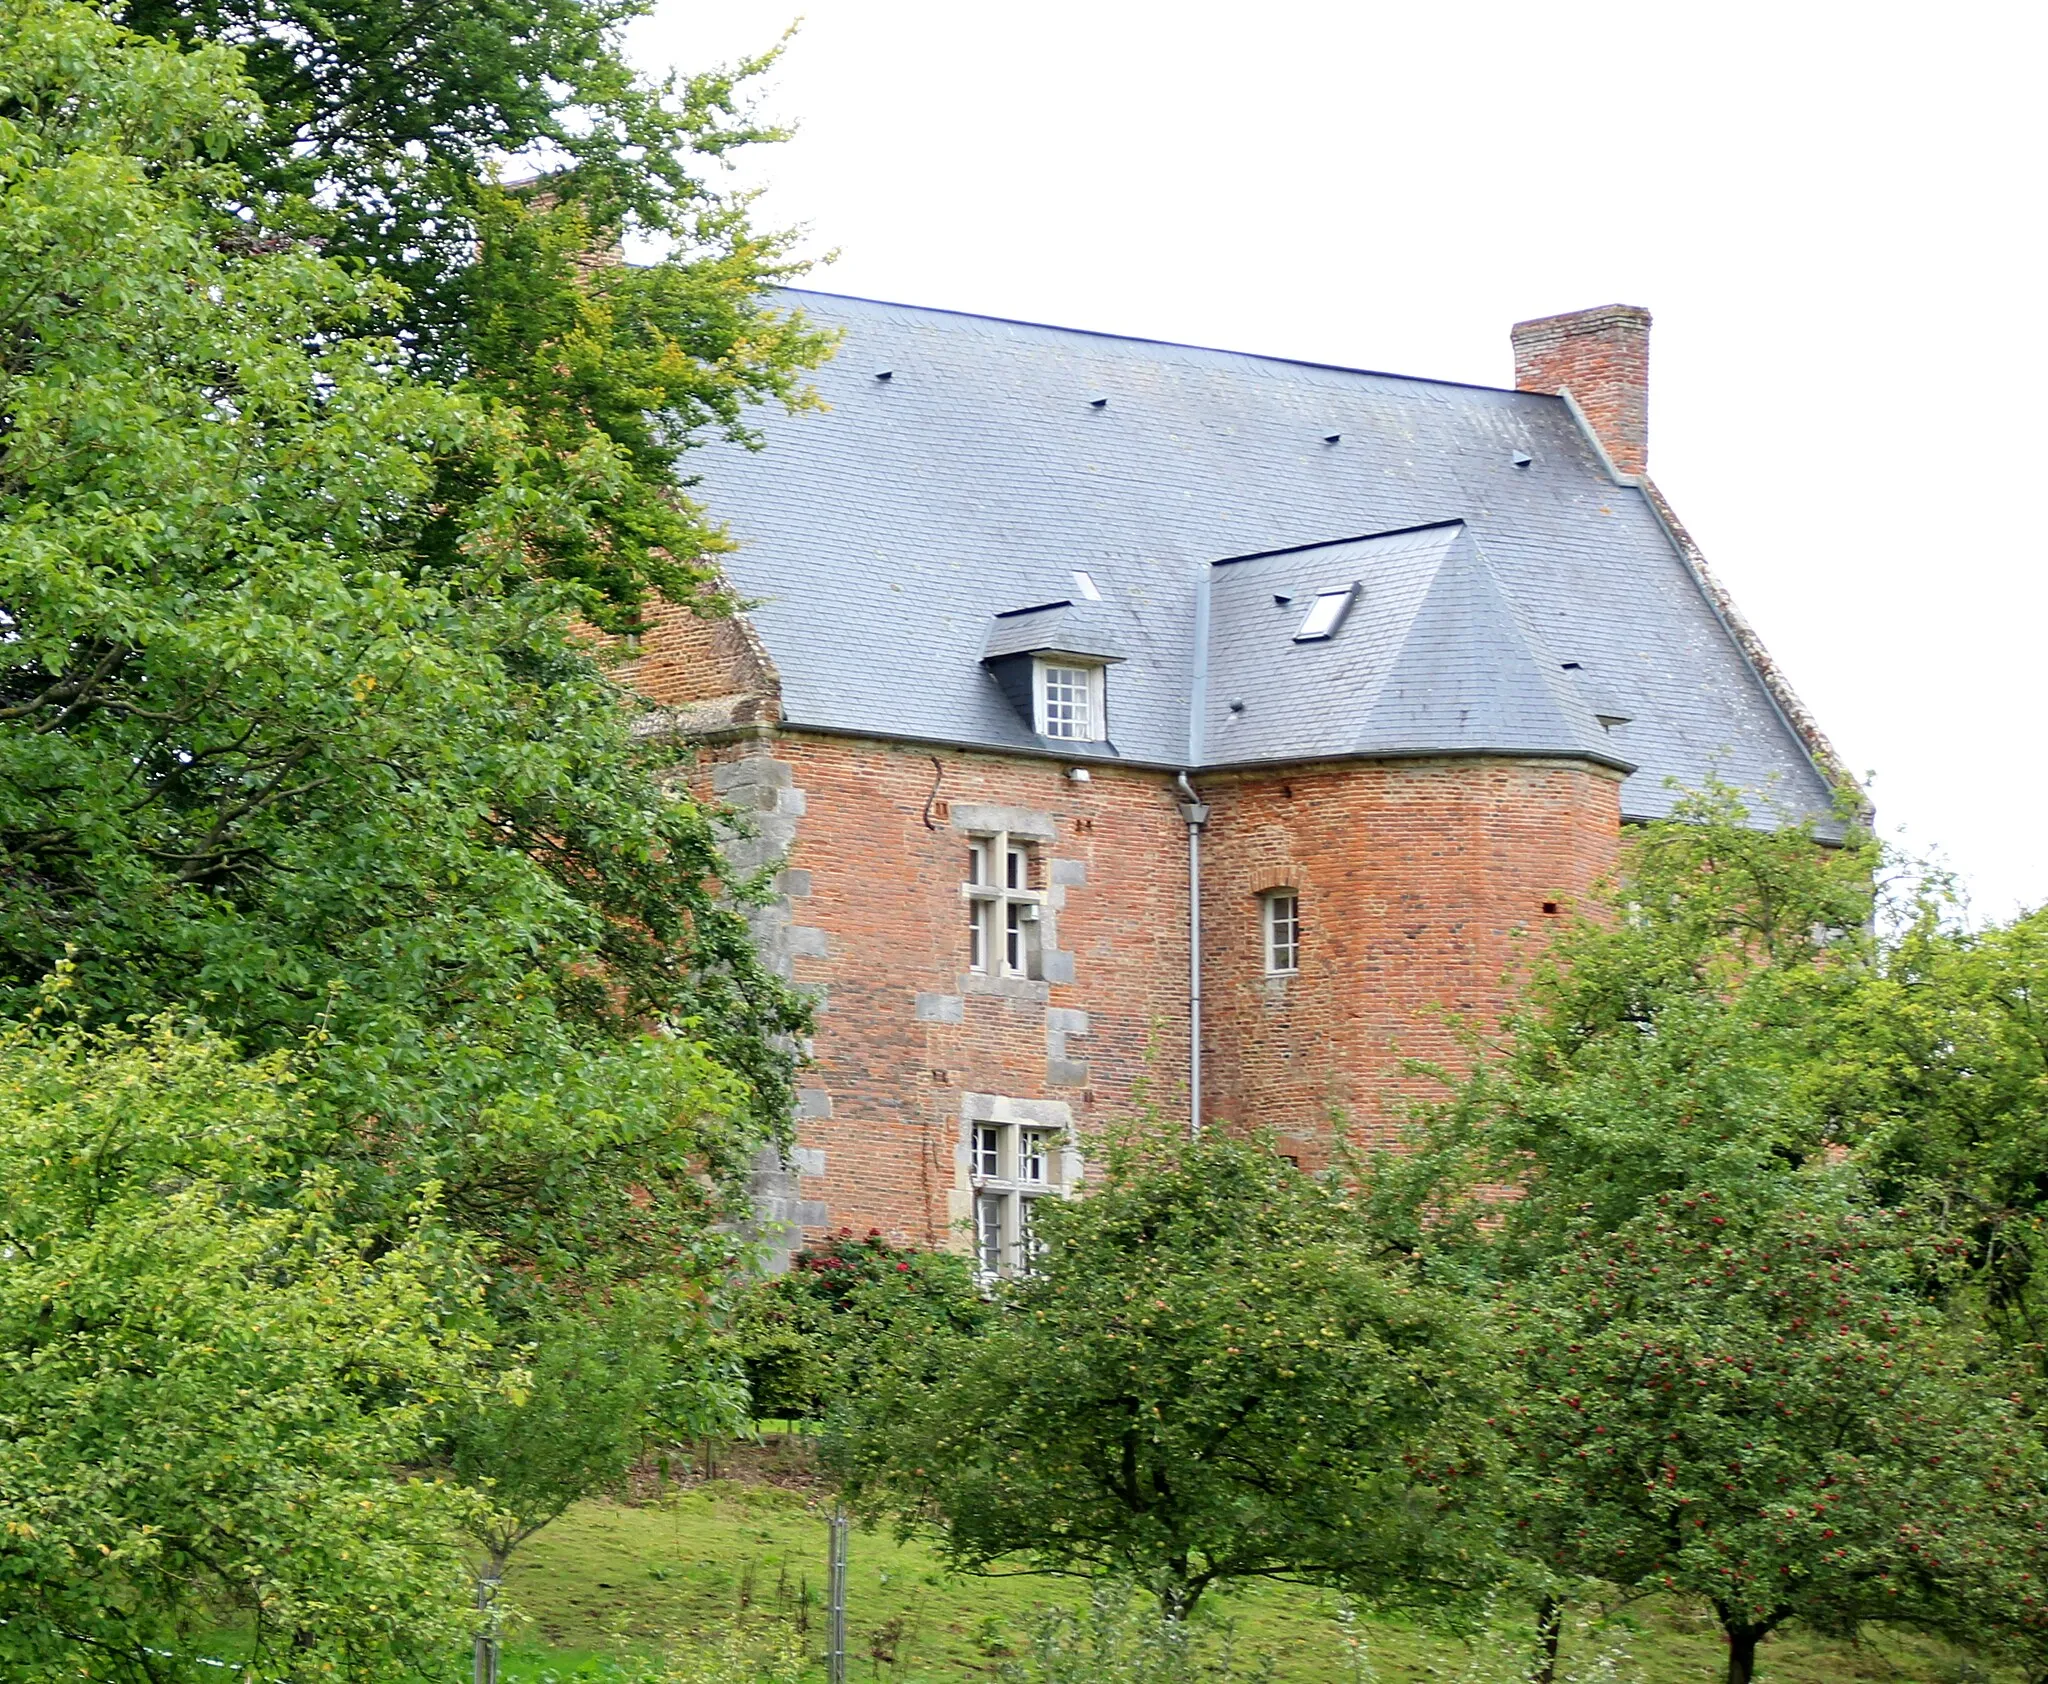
(1170, 344)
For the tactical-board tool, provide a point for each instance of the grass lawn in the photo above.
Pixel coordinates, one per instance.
(611, 1581)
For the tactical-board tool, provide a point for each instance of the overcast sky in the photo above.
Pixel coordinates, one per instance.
(1834, 212)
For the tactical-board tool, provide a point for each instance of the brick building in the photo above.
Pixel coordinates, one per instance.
(1141, 725)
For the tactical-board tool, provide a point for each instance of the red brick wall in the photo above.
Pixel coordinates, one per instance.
(1421, 885)
(877, 888)
(684, 657)
(1602, 357)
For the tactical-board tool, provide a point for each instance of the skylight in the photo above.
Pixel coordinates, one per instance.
(1086, 586)
(1324, 615)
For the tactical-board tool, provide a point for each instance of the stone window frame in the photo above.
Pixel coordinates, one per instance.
(1005, 913)
(1048, 720)
(1015, 1153)
(1280, 937)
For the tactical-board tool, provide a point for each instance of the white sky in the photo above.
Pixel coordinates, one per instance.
(1833, 210)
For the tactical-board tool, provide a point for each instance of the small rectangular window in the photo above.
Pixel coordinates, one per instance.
(1324, 615)
(1069, 702)
(977, 862)
(988, 1150)
(1016, 947)
(1016, 869)
(1283, 932)
(980, 914)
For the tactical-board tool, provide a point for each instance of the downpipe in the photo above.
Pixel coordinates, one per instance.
(1196, 812)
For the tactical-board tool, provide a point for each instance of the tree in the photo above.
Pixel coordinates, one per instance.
(1726, 1348)
(1941, 1070)
(383, 128)
(208, 1382)
(257, 758)
(1208, 1378)
(847, 1305)
(1679, 1031)
(291, 743)
(1751, 1403)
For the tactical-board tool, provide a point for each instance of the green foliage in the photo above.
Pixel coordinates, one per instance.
(1753, 1405)
(815, 1334)
(381, 128)
(255, 758)
(1677, 1035)
(1115, 1639)
(208, 1380)
(1209, 1378)
(297, 741)
(596, 1380)
(1942, 1067)
(1731, 1376)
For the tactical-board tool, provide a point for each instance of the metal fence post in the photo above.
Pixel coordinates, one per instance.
(484, 1664)
(835, 1598)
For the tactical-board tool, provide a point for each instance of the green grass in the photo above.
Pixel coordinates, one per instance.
(615, 1582)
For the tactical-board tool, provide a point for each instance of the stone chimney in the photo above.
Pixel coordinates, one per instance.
(1602, 357)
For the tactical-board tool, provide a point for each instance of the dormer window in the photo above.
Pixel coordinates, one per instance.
(1069, 700)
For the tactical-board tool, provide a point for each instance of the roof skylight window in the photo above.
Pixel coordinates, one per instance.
(1325, 615)
(1086, 586)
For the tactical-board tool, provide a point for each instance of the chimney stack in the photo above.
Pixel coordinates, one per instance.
(1602, 357)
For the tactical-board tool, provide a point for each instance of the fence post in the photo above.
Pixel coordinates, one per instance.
(484, 1664)
(835, 1598)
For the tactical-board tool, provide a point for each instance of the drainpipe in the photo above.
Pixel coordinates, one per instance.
(1196, 812)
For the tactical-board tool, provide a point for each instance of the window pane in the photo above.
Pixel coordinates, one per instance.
(988, 1142)
(978, 912)
(1013, 938)
(1027, 1244)
(988, 1233)
(1032, 1148)
(977, 862)
(1065, 698)
(1017, 869)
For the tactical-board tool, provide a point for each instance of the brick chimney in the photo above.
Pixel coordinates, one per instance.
(1602, 357)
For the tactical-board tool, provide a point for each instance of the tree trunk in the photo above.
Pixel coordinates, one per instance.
(1742, 1642)
(1549, 1628)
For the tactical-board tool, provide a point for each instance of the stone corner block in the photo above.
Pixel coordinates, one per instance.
(941, 1008)
(1066, 1072)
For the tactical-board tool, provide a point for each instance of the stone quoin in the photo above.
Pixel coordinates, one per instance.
(1064, 656)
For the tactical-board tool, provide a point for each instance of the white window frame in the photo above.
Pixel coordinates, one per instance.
(1052, 715)
(1280, 930)
(1031, 1163)
(1004, 912)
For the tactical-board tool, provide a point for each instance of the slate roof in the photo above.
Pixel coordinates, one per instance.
(1515, 599)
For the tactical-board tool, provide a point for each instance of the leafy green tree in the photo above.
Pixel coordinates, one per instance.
(1752, 1404)
(385, 125)
(1727, 1348)
(1678, 1032)
(1941, 1068)
(257, 757)
(292, 741)
(1208, 1379)
(815, 1334)
(207, 1381)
